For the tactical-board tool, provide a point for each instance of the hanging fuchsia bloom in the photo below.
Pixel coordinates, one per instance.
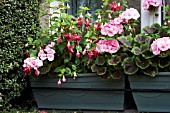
(37, 72)
(114, 6)
(87, 24)
(110, 46)
(161, 44)
(59, 82)
(70, 47)
(68, 36)
(77, 38)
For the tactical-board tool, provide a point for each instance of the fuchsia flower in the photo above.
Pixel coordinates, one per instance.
(148, 3)
(161, 44)
(110, 46)
(114, 6)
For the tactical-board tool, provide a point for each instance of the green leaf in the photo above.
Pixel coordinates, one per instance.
(164, 62)
(101, 70)
(45, 69)
(122, 39)
(144, 47)
(67, 58)
(151, 70)
(136, 50)
(116, 75)
(58, 69)
(140, 38)
(68, 70)
(122, 56)
(100, 60)
(61, 46)
(30, 40)
(142, 63)
(115, 59)
(74, 67)
(94, 68)
(129, 66)
(147, 54)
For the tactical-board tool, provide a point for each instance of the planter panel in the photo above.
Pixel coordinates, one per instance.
(151, 94)
(87, 92)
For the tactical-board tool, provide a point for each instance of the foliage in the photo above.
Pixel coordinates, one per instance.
(77, 44)
(16, 20)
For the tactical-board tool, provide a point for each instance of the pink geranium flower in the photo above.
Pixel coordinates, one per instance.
(110, 46)
(161, 44)
(147, 4)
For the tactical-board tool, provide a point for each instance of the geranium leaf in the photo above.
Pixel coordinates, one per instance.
(136, 50)
(140, 38)
(45, 68)
(154, 62)
(131, 69)
(100, 60)
(147, 54)
(151, 70)
(164, 62)
(163, 32)
(115, 59)
(122, 39)
(142, 63)
(149, 40)
(101, 70)
(122, 56)
(116, 75)
(94, 68)
(149, 30)
(144, 47)
(129, 66)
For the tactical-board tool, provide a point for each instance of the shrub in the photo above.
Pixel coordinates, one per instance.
(16, 20)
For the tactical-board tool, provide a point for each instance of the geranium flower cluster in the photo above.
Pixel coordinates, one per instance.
(34, 63)
(116, 26)
(147, 4)
(109, 46)
(161, 44)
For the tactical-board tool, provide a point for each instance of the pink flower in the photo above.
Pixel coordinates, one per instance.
(42, 55)
(49, 50)
(110, 46)
(50, 57)
(145, 5)
(64, 79)
(161, 44)
(59, 82)
(33, 63)
(90, 54)
(114, 6)
(118, 20)
(78, 54)
(37, 72)
(155, 3)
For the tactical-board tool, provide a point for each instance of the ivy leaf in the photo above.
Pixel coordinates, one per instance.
(100, 60)
(151, 70)
(114, 60)
(142, 63)
(101, 70)
(136, 50)
(149, 40)
(74, 67)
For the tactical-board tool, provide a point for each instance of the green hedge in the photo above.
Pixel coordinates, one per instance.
(18, 20)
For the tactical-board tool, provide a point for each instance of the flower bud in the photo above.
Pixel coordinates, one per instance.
(59, 82)
(37, 73)
(64, 79)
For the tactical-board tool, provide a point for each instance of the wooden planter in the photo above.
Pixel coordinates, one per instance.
(87, 92)
(151, 94)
